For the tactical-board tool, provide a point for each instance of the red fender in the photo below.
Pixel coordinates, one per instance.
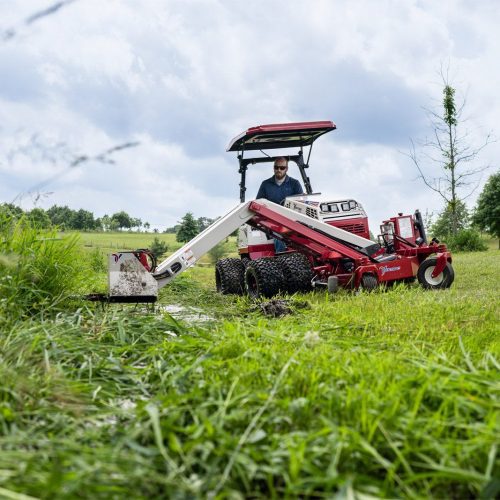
(441, 260)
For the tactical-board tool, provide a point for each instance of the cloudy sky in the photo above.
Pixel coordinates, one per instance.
(183, 77)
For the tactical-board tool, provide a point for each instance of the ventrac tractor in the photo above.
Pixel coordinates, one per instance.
(327, 242)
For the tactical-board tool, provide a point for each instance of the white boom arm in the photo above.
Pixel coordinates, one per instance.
(187, 255)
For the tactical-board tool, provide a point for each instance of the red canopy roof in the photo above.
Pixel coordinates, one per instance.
(280, 135)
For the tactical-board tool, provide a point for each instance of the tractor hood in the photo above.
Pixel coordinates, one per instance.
(280, 135)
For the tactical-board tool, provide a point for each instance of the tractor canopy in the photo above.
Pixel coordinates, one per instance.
(280, 135)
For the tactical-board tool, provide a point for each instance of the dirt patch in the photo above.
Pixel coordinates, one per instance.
(277, 308)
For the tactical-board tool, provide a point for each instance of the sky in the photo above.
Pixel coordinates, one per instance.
(180, 78)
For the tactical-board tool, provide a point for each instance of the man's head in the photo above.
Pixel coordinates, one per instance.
(280, 167)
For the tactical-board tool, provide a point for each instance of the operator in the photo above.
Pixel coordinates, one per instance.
(280, 185)
(277, 188)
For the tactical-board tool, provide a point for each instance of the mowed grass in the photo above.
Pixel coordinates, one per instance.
(391, 394)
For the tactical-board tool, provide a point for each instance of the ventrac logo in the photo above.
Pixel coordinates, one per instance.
(387, 269)
(116, 256)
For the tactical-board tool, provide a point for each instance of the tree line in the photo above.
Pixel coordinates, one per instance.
(67, 219)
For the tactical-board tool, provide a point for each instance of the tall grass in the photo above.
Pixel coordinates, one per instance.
(38, 270)
(390, 394)
(111, 403)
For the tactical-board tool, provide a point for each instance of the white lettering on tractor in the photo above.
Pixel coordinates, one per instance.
(387, 269)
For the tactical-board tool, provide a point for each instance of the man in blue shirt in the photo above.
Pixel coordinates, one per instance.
(279, 186)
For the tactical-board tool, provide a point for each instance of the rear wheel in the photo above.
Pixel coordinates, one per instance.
(263, 277)
(297, 272)
(443, 280)
(229, 276)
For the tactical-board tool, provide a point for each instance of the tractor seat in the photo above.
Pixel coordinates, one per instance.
(386, 258)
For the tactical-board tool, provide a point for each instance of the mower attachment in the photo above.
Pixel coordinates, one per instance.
(129, 279)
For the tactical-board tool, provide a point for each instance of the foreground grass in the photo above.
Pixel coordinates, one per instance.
(390, 394)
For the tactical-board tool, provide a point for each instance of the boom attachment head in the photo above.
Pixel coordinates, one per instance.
(130, 277)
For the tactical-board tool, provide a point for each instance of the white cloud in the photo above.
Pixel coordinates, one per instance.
(186, 77)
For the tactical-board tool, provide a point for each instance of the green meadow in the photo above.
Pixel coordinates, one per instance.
(390, 394)
(123, 240)
(104, 243)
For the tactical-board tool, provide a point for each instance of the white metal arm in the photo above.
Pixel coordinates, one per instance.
(187, 255)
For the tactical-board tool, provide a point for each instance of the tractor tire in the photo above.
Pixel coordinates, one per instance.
(368, 282)
(297, 272)
(263, 278)
(246, 261)
(424, 275)
(229, 276)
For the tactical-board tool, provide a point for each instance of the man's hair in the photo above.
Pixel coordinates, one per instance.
(281, 158)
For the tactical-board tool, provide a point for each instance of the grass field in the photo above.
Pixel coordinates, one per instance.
(387, 394)
(110, 242)
(123, 240)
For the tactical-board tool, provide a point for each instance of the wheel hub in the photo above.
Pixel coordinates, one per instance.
(433, 281)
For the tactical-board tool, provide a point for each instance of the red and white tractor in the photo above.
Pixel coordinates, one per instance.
(327, 241)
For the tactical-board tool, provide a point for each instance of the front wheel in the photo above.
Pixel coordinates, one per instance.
(229, 276)
(368, 282)
(443, 280)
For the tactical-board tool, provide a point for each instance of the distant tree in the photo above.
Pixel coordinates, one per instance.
(11, 210)
(204, 222)
(61, 216)
(105, 222)
(83, 220)
(443, 226)
(39, 218)
(173, 229)
(121, 220)
(158, 247)
(451, 154)
(146, 226)
(188, 228)
(137, 223)
(487, 213)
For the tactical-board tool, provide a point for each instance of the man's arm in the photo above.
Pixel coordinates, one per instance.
(261, 193)
(297, 187)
